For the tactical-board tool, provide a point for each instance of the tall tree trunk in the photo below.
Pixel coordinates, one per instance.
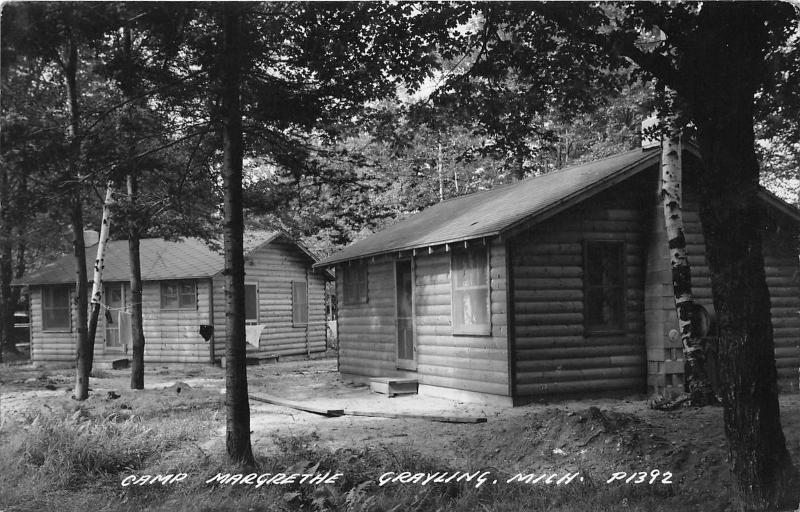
(731, 216)
(83, 357)
(6, 265)
(697, 381)
(137, 326)
(83, 361)
(21, 243)
(97, 277)
(133, 222)
(236, 400)
(723, 76)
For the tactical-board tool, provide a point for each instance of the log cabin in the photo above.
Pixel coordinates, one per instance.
(554, 285)
(183, 300)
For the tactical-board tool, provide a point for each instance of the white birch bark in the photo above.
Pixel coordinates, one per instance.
(97, 279)
(695, 375)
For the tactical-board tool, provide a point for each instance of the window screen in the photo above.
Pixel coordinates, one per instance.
(55, 307)
(299, 303)
(251, 303)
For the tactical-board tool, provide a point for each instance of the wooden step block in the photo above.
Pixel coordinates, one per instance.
(393, 386)
(254, 360)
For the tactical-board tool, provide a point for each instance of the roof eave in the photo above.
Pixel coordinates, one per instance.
(771, 199)
(332, 262)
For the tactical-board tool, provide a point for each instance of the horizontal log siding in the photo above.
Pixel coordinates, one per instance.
(51, 346)
(273, 267)
(173, 336)
(367, 336)
(367, 331)
(61, 345)
(783, 279)
(782, 268)
(471, 363)
(552, 354)
(170, 336)
(219, 308)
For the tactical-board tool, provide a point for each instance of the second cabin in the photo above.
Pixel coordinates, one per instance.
(183, 302)
(554, 285)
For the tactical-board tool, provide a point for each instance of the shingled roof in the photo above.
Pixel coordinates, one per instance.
(495, 211)
(189, 258)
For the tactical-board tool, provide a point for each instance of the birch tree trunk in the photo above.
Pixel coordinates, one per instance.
(236, 399)
(441, 177)
(97, 277)
(695, 375)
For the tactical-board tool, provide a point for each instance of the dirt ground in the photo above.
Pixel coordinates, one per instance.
(595, 437)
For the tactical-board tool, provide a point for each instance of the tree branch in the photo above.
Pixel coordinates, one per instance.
(145, 94)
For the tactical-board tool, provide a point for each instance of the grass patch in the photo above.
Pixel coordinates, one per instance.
(75, 461)
(52, 452)
(358, 488)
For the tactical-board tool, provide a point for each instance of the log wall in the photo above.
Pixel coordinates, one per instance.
(782, 268)
(552, 352)
(51, 346)
(173, 336)
(368, 339)
(274, 267)
(367, 331)
(665, 357)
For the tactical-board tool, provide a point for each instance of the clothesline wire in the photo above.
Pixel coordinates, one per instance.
(123, 310)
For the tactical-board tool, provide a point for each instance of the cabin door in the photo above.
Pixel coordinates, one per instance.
(117, 317)
(406, 348)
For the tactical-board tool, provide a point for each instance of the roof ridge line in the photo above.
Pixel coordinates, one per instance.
(531, 178)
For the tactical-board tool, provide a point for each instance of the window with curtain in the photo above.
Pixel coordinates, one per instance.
(470, 294)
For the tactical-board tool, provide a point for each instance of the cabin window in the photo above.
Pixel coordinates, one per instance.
(179, 294)
(251, 304)
(354, 283)
(604, 287)
(56, 314)
(470, 280)
(299, 303)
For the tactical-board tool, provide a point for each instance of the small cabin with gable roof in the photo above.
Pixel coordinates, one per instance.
(554, 285)
(183, 300)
